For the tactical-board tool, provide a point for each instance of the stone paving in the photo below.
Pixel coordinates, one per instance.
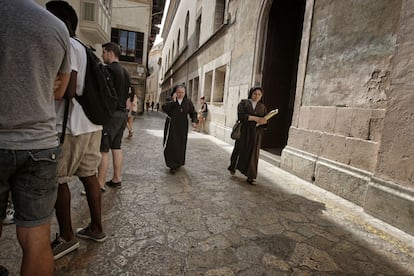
(203, 221)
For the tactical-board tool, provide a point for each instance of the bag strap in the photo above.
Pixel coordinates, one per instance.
(65, 121)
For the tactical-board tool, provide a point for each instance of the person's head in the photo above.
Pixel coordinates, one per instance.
(64, 12)
(110, 52)
(202, 99)
(256, 93)
(179, 90)
(131, 93)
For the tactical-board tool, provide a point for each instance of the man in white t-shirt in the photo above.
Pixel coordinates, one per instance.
(80, 149)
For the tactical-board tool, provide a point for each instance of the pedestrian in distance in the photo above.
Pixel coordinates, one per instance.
(31, 79)
(147, 105)
(245, 156)
(202, 115)
(132, 106)
(80, 149)
(152, 106)
(157, 106)
(113, 131)
(178, 109)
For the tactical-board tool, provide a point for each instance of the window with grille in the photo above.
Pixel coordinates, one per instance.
(131, 44)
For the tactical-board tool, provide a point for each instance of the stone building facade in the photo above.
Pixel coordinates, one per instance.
(340, 73)
(129, 23)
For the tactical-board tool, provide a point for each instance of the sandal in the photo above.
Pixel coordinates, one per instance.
(130, 134)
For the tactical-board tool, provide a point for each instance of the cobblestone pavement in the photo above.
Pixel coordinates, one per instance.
(203, 221)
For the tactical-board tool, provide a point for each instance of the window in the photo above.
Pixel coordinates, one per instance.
(178, 42)
(208, 82)
(197, 32)
(88, 11)
(190, 90)
(219, 13)
(194, 98)
(169, 58)
(131, 44)
(172, 53)
(219, 81)
(187, 20)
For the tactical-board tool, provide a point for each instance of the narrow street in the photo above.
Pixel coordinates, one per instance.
(203, 221)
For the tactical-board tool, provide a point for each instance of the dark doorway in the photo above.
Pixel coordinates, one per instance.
(281, 58)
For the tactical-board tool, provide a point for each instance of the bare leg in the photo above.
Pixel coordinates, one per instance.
(103, 168)
(63, 216)
(37, 252)
(94, 197)
(129, 126)
(118, 158)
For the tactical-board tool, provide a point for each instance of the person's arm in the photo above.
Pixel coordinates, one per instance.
(71, 89)
(61, 83)
(258, 120)
(242, 114)
(169, 104)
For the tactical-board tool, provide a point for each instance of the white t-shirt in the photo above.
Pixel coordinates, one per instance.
(78, 123)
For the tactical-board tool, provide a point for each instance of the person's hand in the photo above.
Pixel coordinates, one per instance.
(261, 121)
(57, 83)
(193, 125)
(174, 96)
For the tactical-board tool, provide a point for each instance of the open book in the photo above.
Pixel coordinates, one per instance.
(270, 114)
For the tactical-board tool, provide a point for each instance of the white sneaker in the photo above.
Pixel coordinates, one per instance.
(9, 219)
(103, 190)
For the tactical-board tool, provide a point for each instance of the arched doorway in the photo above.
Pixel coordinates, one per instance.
(279, 68)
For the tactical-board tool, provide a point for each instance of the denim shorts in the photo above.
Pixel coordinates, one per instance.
(31, 177)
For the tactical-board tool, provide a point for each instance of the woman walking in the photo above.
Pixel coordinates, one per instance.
(245, 154)
(132, 110)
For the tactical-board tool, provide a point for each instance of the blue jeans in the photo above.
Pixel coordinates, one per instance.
(31, 176)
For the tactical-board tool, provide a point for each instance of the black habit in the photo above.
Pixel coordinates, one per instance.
(245, 154)
(176, 130)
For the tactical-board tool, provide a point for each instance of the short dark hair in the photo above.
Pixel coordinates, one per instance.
(112, 47)
(65, 12)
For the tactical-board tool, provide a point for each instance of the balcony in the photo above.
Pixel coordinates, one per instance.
(95, 20)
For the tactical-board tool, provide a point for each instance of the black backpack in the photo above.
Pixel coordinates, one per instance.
(99, 98)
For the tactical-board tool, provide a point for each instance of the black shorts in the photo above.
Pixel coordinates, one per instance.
(113, 131)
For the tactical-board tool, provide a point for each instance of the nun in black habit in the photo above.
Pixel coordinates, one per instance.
(245, 156)
(178, 109)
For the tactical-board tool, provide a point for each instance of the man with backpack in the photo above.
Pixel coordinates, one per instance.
(80, 149)
(113, 130)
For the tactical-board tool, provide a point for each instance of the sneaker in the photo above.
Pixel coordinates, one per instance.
(9, 219)
(112, 184)
(103, 190)
(3, 271)
(86, 233)
(251, 181)
(60, 247)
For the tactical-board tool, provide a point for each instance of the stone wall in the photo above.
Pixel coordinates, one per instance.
(354, 129)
